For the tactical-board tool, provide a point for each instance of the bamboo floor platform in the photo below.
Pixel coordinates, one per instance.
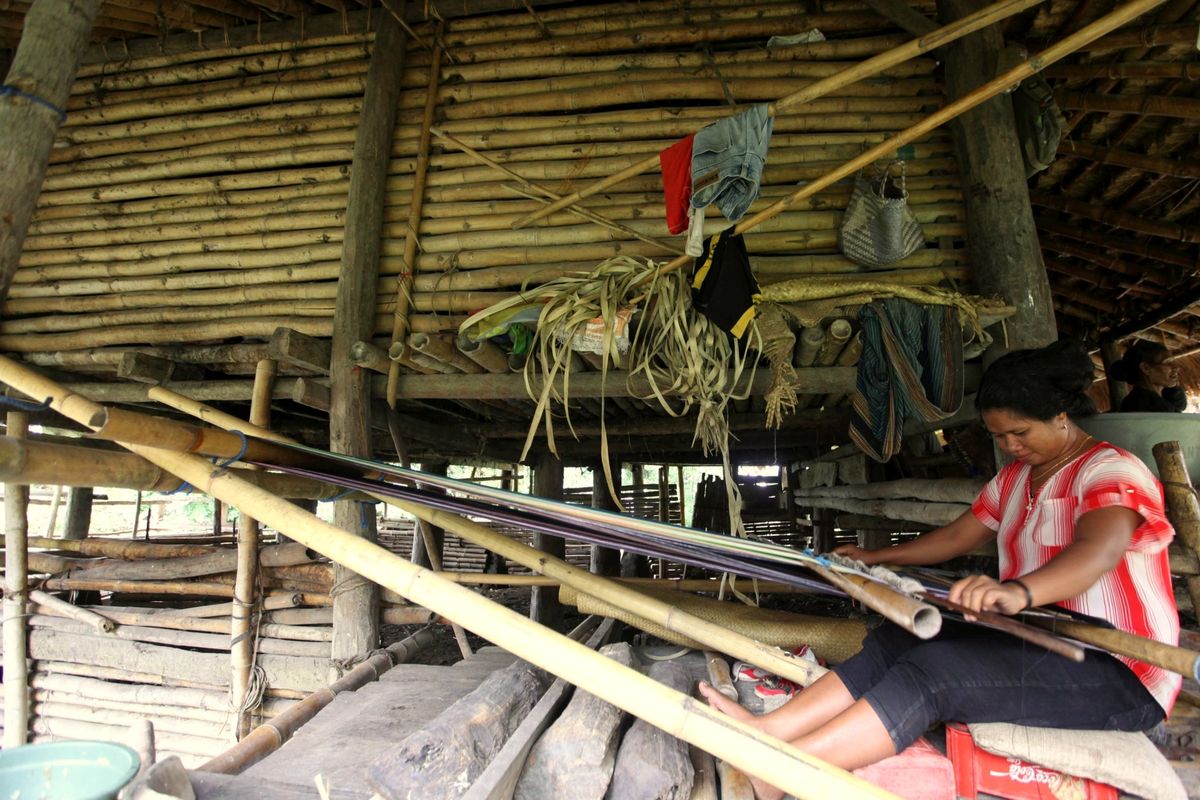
(354, 729)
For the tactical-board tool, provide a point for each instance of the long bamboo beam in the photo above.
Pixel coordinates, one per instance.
(982, 94)
(776, 762)
(865, 69)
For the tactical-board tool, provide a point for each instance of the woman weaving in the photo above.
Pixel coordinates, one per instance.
(1079, 523)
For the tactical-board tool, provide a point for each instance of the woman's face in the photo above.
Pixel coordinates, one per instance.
(1161, 373)
(1031, 441)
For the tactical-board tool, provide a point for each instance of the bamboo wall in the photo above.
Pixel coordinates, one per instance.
(200, 197)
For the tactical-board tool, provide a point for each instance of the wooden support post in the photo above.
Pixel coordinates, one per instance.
(632, 564)
(428, 543)
(605, 560)
(245, 597)
(16, 553)
(79, 512)
(356, 600)
(1006, 259)
(54, 34)
(547, 482)
(1117, 390)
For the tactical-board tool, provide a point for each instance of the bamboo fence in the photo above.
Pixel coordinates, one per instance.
(201, 197)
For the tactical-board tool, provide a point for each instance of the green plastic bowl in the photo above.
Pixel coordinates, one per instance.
(66, 771)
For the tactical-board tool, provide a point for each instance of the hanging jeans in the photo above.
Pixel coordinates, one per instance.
(735, 149)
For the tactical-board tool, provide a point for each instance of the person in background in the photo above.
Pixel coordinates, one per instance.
(1153, 380)
(1078, 522)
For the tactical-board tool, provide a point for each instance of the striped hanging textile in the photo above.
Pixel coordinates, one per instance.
(911, 368)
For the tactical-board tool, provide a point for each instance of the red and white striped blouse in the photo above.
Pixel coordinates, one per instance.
(1135, 596)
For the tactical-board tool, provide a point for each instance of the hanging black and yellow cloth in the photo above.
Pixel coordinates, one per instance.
(723, 286)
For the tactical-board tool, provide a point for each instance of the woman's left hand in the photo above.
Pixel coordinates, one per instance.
(984, 593)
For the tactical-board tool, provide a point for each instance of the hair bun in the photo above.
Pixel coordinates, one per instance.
(1041, 383)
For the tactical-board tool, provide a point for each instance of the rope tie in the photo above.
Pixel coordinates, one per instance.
(223, 467)
(24, 405)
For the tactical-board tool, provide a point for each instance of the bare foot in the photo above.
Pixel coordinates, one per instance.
(723, 704)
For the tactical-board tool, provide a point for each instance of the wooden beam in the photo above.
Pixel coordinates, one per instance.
(1150, 36)
(292, 347)
(1170, 166)
(1156, 317)
(1118, 219)
(15, 603)
(903, 15)
(355, 604)
(814, 380)
(43, 69)
(1005, 253)
(1179, 70)
(145, 368)
(1105, 242)
(1144, 105)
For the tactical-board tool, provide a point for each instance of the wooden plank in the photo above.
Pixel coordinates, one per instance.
(651, 763)
(499, 779)
(146, 368)
(456, 746)
(292, 347)
(283, 672)
(575, 757)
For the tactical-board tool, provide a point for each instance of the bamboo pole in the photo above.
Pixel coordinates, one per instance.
(176, 622)
(16, 575)
(777, 763)
(54, 605)
(404, 286)
(245, 596)
(871, 66)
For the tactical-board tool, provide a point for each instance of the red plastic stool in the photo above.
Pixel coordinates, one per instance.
(978, 770)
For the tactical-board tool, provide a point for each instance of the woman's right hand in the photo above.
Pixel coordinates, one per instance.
(868, 557)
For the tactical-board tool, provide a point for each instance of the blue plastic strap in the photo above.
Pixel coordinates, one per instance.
(24, 405)
(12, 91)
(223, 467)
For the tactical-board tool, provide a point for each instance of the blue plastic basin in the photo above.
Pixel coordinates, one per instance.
(66, 770)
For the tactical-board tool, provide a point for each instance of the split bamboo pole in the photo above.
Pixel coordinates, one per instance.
(53, 605)
(777, 763)
(404, 285)
(997, 85)
(16, 576)
(871, 66)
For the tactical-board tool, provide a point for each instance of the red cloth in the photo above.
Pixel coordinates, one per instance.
(676, 163)
(1135, 596)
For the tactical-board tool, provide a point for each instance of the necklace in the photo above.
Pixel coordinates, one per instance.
(1048, 471)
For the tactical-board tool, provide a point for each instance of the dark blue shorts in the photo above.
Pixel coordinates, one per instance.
(972, 674)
